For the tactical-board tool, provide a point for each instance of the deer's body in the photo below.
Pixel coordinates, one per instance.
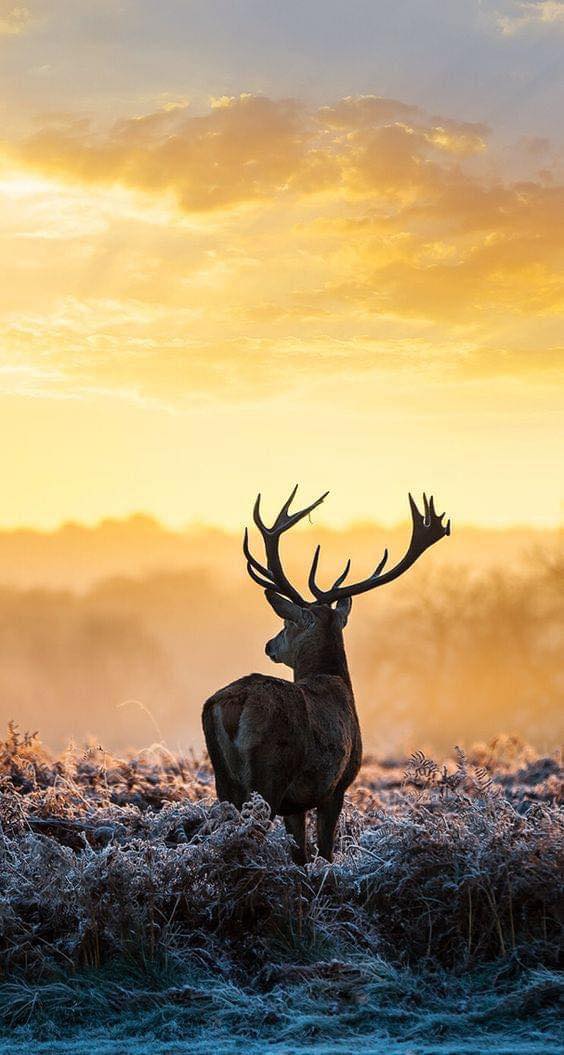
(298, 743)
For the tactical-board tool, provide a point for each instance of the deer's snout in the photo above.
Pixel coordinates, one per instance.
(272, 649)
(277, 648)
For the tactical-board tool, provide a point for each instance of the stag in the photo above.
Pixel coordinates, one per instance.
(298, 744)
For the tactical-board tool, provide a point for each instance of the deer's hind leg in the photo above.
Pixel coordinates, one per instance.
(295, 825)
(267, 780)
(227, 789)
(327, 817)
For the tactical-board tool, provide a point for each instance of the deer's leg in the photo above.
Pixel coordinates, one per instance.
(295, 826)
(268, 792)
(267, 780)
(327, 817)
(227, 790)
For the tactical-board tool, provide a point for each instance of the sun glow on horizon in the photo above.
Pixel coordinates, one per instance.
(359, 289)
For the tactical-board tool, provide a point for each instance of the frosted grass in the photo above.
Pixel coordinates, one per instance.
(138, 915)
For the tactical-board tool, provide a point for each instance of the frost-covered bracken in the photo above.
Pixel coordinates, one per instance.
(126, 889)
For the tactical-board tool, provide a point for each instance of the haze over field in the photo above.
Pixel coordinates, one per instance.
(121, 631)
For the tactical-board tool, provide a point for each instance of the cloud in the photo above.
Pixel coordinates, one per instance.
(243, 149)
(264, 245)
(14, 18)
(253, 149)
(521, 14)
(365, 111)
(466, 251)
(160, 357)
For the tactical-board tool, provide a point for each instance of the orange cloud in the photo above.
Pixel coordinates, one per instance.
(244, 149)
(368, 239)
(252, 149)
(462, 250)
(14, 18)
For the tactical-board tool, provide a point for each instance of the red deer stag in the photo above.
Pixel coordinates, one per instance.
(299, 744)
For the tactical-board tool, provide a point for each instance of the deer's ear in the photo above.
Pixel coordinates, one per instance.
(343, 609)
(284, 608)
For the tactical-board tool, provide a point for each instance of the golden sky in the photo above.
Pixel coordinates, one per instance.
(243, 247)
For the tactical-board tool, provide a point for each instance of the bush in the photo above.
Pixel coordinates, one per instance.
(104, 858)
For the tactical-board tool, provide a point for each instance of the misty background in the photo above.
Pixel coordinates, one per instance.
(119, 632)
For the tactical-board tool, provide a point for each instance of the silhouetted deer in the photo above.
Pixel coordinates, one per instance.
(299, 744)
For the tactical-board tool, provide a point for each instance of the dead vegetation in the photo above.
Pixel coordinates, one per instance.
(451, 865)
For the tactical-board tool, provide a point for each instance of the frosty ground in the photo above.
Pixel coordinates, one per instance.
(139, 915)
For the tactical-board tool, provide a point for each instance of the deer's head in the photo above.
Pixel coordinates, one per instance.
(306, 631)
(314, 626)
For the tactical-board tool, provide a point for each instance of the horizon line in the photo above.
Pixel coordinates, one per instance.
(139, 516)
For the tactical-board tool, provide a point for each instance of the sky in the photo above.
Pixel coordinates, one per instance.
(247, 243)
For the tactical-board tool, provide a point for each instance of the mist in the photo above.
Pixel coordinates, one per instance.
(120, 632)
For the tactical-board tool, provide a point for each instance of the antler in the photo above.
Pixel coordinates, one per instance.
(426, 529)
(273, 576)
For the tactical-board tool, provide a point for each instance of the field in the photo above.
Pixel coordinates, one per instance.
(140, 915)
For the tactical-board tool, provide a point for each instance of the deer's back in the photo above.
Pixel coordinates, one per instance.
(255, 709)
(308, 729)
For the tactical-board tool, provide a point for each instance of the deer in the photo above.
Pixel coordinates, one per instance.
(298, 744)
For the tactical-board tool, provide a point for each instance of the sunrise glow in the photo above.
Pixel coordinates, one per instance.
(207, 292)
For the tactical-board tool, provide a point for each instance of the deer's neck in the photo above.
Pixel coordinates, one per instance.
(323, 657)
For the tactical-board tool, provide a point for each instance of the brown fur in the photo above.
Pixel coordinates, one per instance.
(297, 744)
(230, 715)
